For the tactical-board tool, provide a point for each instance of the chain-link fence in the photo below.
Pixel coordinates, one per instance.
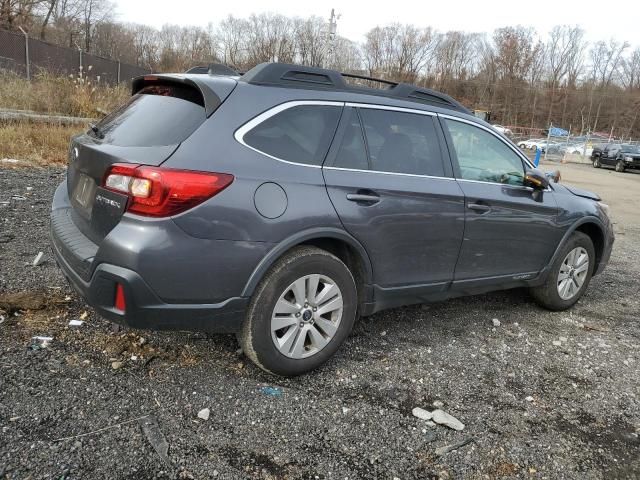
(560, 148)
(30, 56)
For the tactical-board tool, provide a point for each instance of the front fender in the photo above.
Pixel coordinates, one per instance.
(588, 219)
(300, 237)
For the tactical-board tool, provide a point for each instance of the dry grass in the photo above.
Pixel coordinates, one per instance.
(45, 144)
(77, 96)
(41, 144)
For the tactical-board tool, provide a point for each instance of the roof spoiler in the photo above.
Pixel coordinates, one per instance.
(212, 99)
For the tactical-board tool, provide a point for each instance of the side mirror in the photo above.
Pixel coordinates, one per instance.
(536, 178)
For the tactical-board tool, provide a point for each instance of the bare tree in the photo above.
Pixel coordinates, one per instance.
(631, 71)
(270, 39)
(398, 51)
(565, 44)
(310, 40)
(15, 13)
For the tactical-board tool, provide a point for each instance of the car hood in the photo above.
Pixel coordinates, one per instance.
(582, 193)
(632, 155)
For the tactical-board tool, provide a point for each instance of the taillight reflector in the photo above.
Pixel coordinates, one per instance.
(120, 302)
(161, 192)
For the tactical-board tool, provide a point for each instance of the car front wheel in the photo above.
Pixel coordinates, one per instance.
(570, 274)
(300, 313)
(620, 166)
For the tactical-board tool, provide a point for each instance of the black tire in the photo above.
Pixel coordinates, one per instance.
(255, 336)
(596, 162)
(547, 295)
(620, 167)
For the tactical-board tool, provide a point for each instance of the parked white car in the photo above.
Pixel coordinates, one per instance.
(503, 130)
(579, 149)
(532, 143)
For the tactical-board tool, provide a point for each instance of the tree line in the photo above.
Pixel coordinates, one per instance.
(524, 79)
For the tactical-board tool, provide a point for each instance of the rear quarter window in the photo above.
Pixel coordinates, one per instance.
(300, 134)
(158, 115)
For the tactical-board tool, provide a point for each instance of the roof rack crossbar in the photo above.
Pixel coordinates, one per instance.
(370, 79)
(283, 74)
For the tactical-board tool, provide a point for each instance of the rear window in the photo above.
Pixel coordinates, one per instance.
(157, 115)
(298, 134)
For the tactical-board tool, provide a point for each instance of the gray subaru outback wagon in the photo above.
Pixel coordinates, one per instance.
(283, 204)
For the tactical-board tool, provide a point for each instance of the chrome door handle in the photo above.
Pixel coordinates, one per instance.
(479, 207)
(362, 198)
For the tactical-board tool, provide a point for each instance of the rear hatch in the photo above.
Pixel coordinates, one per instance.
(162, 113)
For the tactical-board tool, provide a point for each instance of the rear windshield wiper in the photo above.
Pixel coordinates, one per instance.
(96, 130)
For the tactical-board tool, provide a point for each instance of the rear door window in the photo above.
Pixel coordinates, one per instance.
(158, 115)
(402, 142)
(299, 134)
(352, 153)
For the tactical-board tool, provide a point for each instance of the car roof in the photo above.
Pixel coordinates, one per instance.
(326, 80)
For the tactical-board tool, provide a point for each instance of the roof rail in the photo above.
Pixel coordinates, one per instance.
(299, 76)
(214, 69)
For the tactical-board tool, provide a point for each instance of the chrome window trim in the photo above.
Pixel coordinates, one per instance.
(389, 107)
(257, 120)
(451, 179)
(515, 149)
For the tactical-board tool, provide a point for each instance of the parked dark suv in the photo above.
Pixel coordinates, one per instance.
(284, 204)
(620, 156)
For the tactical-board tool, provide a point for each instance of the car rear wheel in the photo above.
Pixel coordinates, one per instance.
(300, 313)
(596, 162)
(570, 274)
(620, 166)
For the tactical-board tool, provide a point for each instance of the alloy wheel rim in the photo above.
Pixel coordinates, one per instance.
(306, 316)
(573, 273)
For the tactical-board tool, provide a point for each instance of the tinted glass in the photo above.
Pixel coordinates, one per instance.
(352, 153)
(631, 149)
(484, 157)
(299, 134)
(158, 115)
(402, 142)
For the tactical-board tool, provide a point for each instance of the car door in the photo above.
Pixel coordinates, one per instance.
(390, 180)
(509, 230)
(612, 154)
(608, 154)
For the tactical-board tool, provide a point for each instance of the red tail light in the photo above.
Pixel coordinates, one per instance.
(161, 192)
(120, 302)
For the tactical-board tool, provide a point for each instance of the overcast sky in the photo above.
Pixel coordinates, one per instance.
(358, 16)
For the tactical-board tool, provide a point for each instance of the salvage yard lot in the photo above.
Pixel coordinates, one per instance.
(541, 394)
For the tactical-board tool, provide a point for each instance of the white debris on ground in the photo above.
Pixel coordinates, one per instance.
(38, 260)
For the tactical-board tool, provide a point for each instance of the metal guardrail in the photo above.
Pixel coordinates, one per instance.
(30, 116)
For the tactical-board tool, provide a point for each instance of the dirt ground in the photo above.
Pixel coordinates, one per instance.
(542, 394)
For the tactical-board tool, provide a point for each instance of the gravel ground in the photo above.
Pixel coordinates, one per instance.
(542, 395)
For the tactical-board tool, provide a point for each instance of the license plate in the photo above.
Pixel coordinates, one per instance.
(85, 188)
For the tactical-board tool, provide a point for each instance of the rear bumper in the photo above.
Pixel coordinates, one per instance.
(143, 307)
(136, 258)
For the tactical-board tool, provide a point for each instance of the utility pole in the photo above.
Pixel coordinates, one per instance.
(331, 37)
(26, 53)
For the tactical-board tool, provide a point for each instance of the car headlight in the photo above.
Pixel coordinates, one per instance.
(605, 209)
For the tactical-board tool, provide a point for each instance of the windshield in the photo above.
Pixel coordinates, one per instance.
(631, 149)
